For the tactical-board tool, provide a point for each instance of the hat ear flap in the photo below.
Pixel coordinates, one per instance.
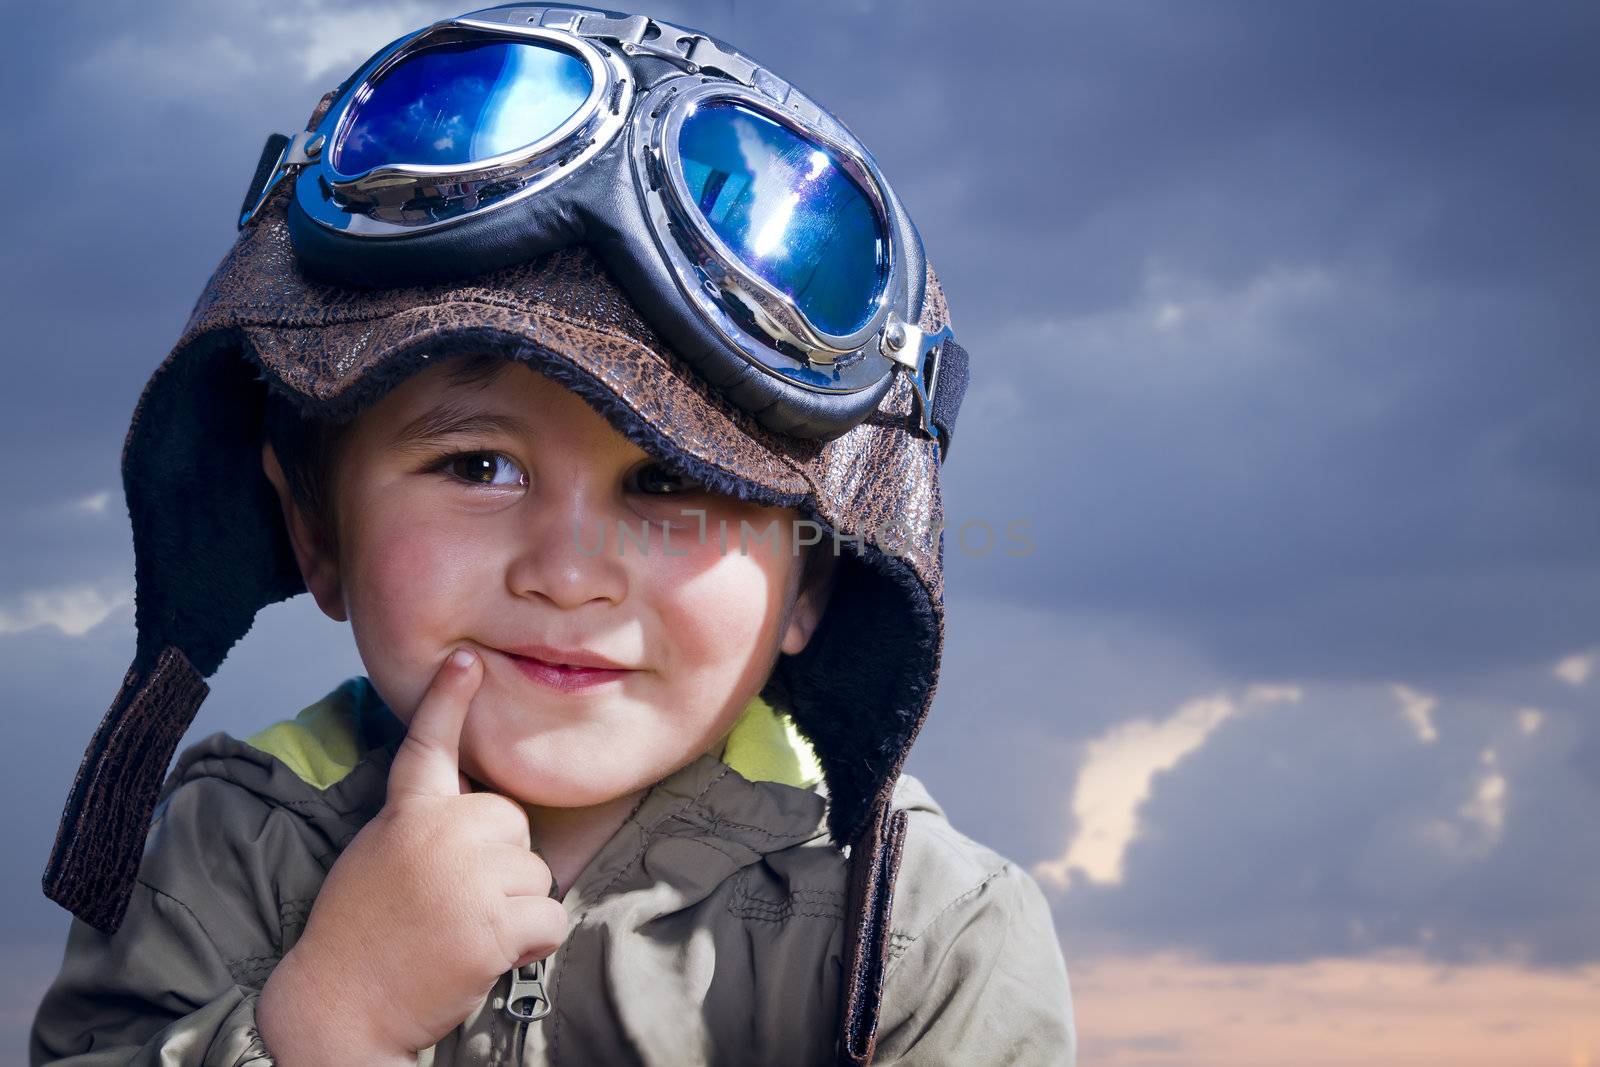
(192, 604)
(201, 459)
(100, 840)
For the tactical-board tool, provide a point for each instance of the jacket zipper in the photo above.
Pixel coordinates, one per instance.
(526, 999)
(527, 1002)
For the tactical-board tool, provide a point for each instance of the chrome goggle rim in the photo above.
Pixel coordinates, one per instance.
(384, 198)
(718, 281)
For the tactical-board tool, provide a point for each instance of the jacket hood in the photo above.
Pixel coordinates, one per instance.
(211, 549)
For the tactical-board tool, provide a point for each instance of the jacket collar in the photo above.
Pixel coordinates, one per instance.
(332, 761)
(326, 740)
(694, 829)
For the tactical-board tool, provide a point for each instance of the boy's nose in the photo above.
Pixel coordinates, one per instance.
(567, 553)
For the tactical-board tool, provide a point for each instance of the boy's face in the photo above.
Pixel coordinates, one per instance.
(490, 537)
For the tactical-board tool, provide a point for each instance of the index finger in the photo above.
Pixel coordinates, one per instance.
(428, 761)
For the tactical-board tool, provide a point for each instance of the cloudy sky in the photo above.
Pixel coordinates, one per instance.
(1284, 328)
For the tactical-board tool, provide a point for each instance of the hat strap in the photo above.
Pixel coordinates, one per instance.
(100, 840)
(874, 862)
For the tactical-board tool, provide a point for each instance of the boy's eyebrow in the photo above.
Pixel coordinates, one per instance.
(452, 417)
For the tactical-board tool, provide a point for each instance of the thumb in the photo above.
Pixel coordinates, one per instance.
(428, 761)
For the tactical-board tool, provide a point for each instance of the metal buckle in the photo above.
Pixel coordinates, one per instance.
(919, 353)
(303, 148)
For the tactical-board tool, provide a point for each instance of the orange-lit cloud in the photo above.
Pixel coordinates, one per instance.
(1389, 1011)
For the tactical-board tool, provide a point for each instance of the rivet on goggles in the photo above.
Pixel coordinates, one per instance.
(751, 229)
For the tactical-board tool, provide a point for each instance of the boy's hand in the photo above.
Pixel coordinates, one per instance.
(431, 902)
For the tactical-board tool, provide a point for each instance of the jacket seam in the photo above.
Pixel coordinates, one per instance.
(282, 802)
(227, 962)
(711, 843)
(940, 914)
(309, 811)
(797, 913)
(270, 803)
(190, 911)
(899, 944)
(691, 802)
(718, 823)
(747, 905)
(742, 879)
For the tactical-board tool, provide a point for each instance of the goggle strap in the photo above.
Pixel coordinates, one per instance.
(938, 372)
(266, 167)
(281, 156)
(950, 386)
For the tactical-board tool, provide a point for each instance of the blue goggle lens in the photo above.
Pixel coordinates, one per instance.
(461, 103)
(788, 210)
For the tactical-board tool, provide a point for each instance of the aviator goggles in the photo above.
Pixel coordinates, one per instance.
(750, 228)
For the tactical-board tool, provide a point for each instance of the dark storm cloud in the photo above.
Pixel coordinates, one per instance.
(1375, 416)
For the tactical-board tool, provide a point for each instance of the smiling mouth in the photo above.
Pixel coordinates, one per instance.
(566, 678)
(571, 659)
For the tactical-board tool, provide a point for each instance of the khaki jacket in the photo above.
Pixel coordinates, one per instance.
(708, 930)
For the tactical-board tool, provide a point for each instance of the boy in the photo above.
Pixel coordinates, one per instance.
(657, 815)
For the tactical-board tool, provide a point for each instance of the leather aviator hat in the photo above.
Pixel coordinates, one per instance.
(853, 436)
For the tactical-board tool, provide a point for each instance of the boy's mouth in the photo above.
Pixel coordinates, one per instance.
(566, 670)
(576, 659)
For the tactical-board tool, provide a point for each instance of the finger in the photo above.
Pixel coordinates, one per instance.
(536, 926)
(495, 818)
(521, 872)
(428, 761)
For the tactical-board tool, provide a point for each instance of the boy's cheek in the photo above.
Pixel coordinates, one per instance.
(418, 569)
(716, 618)
(735, 541)
(410, 602)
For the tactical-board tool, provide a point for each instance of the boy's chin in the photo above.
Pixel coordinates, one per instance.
(570, 780)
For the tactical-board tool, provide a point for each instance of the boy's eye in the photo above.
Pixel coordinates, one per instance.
(475, 467)
(482, 468)
(656, 479)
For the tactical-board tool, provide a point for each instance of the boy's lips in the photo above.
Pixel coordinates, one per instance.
(572, 658)
(566, 679)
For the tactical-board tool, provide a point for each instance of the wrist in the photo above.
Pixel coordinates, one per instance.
(303, 1025)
